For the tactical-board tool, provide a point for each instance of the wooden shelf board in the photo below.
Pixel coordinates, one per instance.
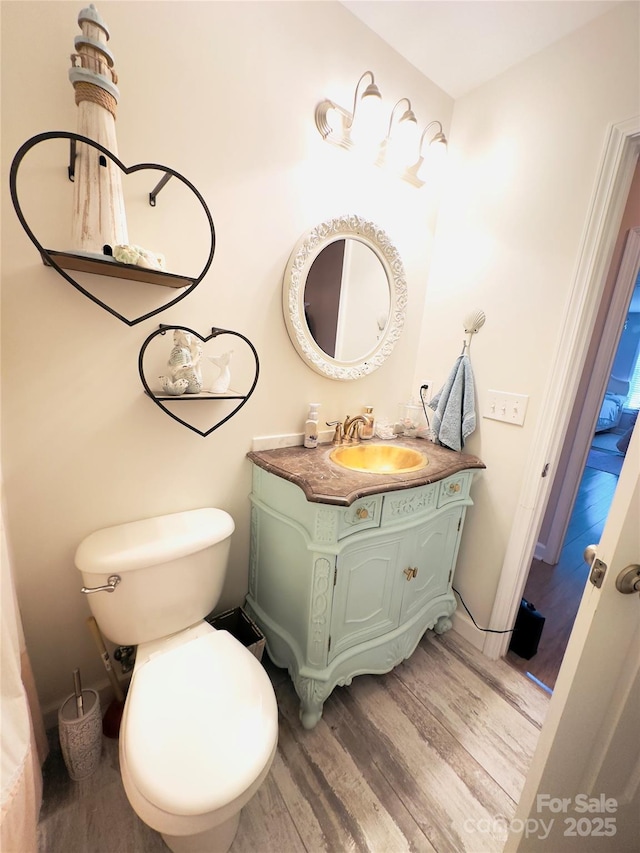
(203, 395)
(107, 266)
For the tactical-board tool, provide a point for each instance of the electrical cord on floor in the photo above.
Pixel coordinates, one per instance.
(487, 630)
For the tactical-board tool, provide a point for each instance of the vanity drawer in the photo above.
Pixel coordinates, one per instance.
(454, 488)
(409, 502)
(361, 515)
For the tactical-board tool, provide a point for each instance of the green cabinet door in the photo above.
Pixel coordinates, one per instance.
(430, 554)
(366, 598)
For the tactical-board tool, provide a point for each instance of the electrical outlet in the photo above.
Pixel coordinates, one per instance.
(427, 390)
(507, 407)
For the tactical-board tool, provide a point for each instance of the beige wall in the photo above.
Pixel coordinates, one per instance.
(525, 151)
(225, 93)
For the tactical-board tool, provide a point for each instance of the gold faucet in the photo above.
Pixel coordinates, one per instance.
(349, 432)
(351, 428)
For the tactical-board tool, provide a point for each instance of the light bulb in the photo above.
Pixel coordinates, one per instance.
(402, 144)
(433, 160)
(367, 128)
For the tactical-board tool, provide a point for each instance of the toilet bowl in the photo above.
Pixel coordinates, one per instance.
(200, 728)
(198, 736)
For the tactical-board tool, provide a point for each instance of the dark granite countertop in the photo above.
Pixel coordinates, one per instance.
(322, 481)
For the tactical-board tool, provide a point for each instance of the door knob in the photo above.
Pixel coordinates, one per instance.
(598, 568)
(628, 580)
(590, 554)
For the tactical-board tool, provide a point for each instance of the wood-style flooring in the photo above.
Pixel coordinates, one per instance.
(429, 757)
(556, 590)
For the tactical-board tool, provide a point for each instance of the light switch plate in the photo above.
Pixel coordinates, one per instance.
(505, 406)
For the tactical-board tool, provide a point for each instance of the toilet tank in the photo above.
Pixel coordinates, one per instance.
(171, 571)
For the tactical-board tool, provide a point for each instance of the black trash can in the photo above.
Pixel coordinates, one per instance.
(527, 630)
(240, 626)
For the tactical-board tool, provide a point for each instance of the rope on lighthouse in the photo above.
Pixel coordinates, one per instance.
(89, 92)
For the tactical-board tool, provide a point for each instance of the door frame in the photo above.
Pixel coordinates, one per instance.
(621, 150)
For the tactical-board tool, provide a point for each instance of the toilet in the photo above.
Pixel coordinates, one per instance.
(200, 724)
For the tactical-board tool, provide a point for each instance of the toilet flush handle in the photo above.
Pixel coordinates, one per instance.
(112, 583)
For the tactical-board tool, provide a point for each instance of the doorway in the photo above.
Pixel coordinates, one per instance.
(555, 589)
(558, 572)
(579, 335)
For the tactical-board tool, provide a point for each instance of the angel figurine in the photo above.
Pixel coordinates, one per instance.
(185, 370)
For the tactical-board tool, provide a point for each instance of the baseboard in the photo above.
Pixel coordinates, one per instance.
(540, 552)
(465, 627)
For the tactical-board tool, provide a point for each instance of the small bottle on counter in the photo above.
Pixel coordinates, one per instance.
(368, 427)
(311, 426)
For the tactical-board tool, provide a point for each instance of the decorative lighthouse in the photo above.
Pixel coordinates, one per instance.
(99, 217)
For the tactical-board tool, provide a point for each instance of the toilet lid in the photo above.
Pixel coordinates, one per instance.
(201, 724)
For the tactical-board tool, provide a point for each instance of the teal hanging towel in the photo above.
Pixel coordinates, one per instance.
(454, 406)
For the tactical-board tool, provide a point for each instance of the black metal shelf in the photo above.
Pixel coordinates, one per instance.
(105, 265)
(160, 397)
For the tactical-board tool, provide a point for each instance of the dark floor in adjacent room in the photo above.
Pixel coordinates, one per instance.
(556, 590)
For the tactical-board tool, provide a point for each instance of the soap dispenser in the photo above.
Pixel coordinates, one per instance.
(311, 426)
(368, 426)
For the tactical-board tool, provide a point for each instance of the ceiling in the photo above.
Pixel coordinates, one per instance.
(460, 44)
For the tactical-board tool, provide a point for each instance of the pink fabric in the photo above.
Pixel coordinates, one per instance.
(39, 735)
(23, 743)
(19, 828)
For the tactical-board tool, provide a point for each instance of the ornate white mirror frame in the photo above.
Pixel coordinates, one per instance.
(295, 278)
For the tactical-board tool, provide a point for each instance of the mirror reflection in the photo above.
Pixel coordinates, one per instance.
(346, 300)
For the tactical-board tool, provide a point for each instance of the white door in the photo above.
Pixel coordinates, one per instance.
(582, 790)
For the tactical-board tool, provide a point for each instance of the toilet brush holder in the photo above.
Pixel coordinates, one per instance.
(81, 736)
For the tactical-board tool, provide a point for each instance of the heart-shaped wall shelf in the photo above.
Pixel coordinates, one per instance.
(160, 399)
(107, 266)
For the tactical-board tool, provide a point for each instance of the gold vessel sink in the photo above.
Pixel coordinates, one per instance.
(379, 458)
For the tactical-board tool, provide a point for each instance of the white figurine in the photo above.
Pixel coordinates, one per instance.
(139, 256)
(174, 388)
(223, 381)
(184, 362)
(195, 376)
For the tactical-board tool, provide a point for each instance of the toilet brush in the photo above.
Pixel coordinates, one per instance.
(77, 689)
(113, 715)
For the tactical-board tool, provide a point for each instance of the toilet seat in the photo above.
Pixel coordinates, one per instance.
(200, 724)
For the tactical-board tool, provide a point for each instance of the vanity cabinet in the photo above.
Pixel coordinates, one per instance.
(340, 591)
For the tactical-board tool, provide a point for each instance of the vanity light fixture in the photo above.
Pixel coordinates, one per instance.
(418, 173)
(343, 128)
(393, 145)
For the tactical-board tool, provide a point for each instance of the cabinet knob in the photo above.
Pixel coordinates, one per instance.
(362, 513)
(410, 573)
(454, 487)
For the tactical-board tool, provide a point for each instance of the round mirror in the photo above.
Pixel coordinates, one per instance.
(344, 297)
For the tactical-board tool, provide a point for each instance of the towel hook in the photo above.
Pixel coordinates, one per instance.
(473, 322)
